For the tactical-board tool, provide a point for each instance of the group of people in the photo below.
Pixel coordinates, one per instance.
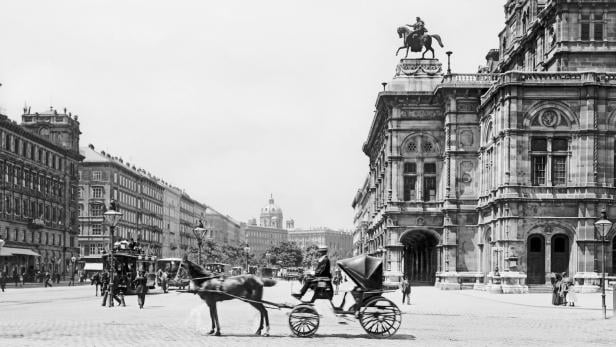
(114, 290)
(563, 292)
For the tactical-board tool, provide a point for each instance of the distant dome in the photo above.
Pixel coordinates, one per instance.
(271, 215)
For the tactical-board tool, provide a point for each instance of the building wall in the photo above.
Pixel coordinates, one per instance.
(339, 243)
(38, 201)
(139, 196)
(261, 239)
(171, 222)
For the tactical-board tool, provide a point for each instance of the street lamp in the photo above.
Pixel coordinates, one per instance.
(604, 226)
(247, 251)
(267, 258)
(1, 245)
(200, 233)
(112, 218)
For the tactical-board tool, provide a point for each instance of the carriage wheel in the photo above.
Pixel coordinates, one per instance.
(304, 320)
(380, 317)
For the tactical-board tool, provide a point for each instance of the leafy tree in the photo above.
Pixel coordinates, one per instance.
(310, 256)
(286, 253)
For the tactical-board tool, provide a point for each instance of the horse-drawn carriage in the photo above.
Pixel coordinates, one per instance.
(377, 315)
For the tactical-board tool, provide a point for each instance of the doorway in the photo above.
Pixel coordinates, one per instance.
(535, 260)
(560, 254)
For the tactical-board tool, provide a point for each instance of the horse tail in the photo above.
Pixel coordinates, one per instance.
(438, 39)
(267, 282)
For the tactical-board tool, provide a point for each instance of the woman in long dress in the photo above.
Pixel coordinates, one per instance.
(556, 290)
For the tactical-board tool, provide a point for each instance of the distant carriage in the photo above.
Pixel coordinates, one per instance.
(171, 266)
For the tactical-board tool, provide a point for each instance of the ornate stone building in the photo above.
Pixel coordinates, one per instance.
(104, 177)
(338, 242)
(38, 192)
(494, 180)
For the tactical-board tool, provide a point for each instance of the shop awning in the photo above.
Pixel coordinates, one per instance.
(9, 251)
(93, 266)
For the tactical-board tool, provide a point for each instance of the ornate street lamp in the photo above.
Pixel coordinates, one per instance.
(247, 251)
(1, 245)
(200, 233)
(112, 217)
(603, 226)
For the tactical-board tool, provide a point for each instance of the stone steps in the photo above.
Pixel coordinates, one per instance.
(539, 288)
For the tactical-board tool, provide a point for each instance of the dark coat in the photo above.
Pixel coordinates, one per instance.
(141, 286)
(322, 269)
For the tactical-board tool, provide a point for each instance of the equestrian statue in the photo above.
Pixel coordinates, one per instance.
(415, 38)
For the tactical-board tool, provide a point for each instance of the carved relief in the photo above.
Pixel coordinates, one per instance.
(466, 177)
(413, 68)
(467, 107)
(466, 138)
(420, 113)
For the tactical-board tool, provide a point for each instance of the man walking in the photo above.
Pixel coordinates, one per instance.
(2, 281)
(105, 288)
(141, 288)
(96, 281)
(47, 279)
(405, 287)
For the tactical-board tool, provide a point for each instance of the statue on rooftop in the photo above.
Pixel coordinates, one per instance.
(415, 38)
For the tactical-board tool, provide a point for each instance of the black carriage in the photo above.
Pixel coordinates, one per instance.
(378, 316)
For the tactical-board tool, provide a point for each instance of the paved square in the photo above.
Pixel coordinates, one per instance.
(73, 317)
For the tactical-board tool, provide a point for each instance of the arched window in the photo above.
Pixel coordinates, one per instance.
(420, 169)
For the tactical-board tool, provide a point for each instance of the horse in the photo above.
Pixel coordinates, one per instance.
(411, 41)
(212, 290)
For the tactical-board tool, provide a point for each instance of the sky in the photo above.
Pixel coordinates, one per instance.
(230, 100)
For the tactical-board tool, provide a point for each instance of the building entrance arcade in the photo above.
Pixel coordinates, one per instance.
(420, 256)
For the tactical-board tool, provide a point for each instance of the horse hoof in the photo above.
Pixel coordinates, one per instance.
(211, 332)
(217, 333)
(258, 332)
(265, 334)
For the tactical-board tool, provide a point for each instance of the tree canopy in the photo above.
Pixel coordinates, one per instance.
(285, 253)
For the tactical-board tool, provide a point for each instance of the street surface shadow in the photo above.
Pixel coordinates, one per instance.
(367, 337)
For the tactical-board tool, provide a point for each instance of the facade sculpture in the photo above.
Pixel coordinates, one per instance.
(493, 180)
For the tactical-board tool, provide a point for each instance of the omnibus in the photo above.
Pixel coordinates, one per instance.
(128, 263)
(268, 272)
(171, 265)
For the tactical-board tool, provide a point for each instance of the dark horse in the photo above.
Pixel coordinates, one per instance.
(416, 42)
(212, 290)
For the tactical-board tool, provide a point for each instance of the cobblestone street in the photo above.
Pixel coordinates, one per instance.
(73, 316)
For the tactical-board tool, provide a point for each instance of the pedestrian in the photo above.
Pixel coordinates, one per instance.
(163, 281)
(405, 288)
(71, 279)
(571, 294)
(47, 279)
(556, 300)
(22, 278)
(15, 277)
(96, 281)
(105, 287)
(2, 281)
(564, 289)
(141, 288)
(118, 292)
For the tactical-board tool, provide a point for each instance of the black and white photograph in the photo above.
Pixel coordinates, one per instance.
(307, 173)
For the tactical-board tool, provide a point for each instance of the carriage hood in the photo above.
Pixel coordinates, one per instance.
(364, 270)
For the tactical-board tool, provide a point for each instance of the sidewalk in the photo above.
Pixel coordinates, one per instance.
(29, 285)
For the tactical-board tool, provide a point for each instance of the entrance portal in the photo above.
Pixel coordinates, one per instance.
(420, 256)
(535, 260)
(560, 253)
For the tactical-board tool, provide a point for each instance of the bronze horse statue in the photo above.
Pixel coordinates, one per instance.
(211, 289)
(417, 42)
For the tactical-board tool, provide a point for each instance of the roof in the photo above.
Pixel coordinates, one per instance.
(364, 270)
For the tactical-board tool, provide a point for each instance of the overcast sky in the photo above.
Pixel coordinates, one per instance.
(230, 100)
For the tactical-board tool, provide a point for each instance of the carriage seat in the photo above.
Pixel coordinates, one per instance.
(323, 288)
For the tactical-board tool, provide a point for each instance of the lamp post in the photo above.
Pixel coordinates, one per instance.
(200, 233)
(112, 218)
(1, 245)
(603, 226)
(267, 258)
(247, 251)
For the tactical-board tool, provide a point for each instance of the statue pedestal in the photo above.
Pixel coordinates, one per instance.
(416, 75)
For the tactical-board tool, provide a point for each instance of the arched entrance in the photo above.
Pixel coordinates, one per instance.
(420, 256)
(535, 259)
(560, 253)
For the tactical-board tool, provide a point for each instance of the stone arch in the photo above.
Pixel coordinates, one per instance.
(420, 254)
(566, 117)
(404, 148)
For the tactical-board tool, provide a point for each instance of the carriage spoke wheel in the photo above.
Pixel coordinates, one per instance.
(304, 321)
(380, 317)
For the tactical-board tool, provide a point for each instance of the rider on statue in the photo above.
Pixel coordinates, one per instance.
(419, 28)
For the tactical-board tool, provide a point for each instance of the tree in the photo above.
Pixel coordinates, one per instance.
(310, 256)
(287, 253)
